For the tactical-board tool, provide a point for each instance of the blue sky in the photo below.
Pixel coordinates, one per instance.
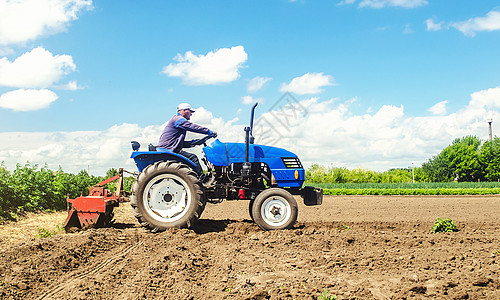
(370, 83)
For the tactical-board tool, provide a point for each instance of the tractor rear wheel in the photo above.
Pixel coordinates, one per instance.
(250, 205)
(274, 209)
(167, 195)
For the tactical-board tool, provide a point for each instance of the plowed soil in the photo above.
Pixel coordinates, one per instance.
(354, 247)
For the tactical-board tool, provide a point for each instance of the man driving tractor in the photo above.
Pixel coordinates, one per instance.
(174, 134)
(167, 192)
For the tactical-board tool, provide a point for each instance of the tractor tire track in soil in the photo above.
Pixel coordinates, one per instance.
(76, 277)
(357, 247)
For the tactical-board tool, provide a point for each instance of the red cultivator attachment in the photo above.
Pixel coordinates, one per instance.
(96, 209)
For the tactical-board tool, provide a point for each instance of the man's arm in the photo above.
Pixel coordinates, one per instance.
(183, 123)
(189, 144)
(196, 142)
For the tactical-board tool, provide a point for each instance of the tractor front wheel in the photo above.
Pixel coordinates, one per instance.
(274, 209)
(167, 195)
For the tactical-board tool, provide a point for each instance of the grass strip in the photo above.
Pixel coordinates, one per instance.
(440, 191)
(417, 185)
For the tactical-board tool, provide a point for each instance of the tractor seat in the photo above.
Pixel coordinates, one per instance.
(161, 149)
(136, 146)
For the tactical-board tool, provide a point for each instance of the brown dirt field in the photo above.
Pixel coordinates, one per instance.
(356, 247)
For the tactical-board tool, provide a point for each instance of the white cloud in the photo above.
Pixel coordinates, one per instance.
(6, 51)
(344, 2)
(74, 151)
(488, 99)
(470, 27)
(397, 3)
(26, 20)
(309, 83)
(247, 100)
(98, 150)
(439, 108)
(324, 132)
(319, 132)
(256, 83)
(35, 69)
(70, 86)
(216, 67)
(27, 100)
(408, 30)
(431, 26)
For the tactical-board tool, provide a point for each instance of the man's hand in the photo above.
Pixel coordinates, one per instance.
(196, 142)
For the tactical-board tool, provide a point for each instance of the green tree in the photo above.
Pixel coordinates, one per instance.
(128, 181)
(438, 168)
(420, 175)
(489, 158)
(316, 174)
(110, 173)
(460, 161)
(337, 175)
(396, 176)
(361, 175)
(463, 155)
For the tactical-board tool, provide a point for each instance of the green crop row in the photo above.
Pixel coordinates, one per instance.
(417, 185)
(29, 188)
(406, 191)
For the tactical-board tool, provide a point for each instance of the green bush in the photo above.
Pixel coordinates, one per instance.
(444, 225)
(45, 233)
(325, 296)
(320, 174)
(29, 188)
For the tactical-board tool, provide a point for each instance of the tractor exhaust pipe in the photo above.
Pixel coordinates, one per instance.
(246, 170)
(251, 123)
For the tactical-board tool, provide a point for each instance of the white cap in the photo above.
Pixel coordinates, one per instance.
(185, 106)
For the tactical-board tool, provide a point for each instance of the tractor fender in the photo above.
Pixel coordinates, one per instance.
(146, 158)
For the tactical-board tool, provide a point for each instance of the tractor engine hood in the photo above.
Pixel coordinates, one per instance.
(224, 154)
(284, 165)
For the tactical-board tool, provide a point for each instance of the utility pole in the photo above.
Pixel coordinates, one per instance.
(413, 172)
(491, 135)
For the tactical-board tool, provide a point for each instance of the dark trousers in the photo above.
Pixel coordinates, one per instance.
(192, 157)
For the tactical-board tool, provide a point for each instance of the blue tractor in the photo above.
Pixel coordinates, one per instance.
(169, 193)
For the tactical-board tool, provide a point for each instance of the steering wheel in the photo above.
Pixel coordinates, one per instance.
(203, 140)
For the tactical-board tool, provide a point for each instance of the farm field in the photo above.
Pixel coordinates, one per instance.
(419, 188)
(356, 247)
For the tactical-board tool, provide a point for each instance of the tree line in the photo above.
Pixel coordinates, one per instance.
(466, 159)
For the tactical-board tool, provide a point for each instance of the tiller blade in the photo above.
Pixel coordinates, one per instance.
(96, 209)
